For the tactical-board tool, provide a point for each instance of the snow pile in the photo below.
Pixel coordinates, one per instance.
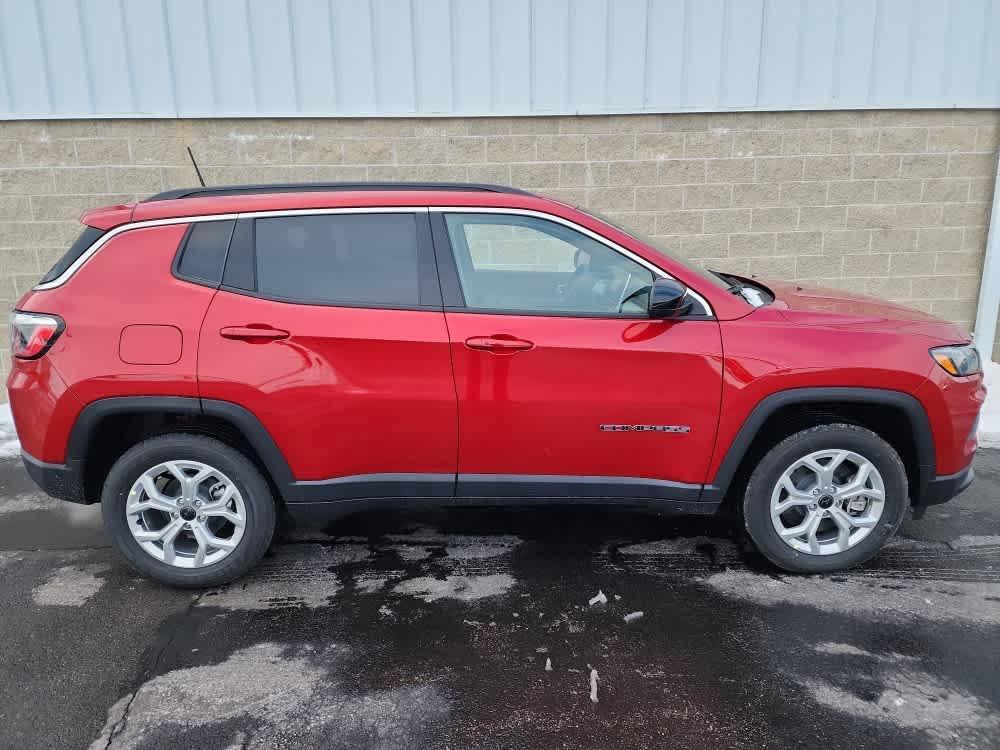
(989, 417)
(10, 447)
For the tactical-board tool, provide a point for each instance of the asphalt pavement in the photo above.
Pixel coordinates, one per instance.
(473, 628)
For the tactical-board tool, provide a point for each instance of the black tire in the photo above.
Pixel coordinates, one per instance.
(757, 499)
(257, 498)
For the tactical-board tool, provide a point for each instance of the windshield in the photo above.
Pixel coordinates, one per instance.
(708, 276)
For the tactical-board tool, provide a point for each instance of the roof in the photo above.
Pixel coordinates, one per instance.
(234, 199)
(317, 187)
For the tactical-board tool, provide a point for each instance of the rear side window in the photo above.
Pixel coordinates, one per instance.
(88, 237)
(204, 252)
(362, 259)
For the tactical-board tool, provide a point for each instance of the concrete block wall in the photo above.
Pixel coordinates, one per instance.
(889, 203)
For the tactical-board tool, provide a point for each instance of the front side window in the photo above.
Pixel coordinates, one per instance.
(338, 259)
(527, 264)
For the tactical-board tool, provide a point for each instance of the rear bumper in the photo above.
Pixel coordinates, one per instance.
(58, 480)
(941, 489)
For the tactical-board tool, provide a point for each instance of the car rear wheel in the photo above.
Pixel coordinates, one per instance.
(825, 499)
(188, 510)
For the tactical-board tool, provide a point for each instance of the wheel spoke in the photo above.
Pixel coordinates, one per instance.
(155, 499)
(844, 527)
(791, 532)
(169, 539)
(163, 505)
(791, 502)
(200, 477)
(834, 463)
(858, 484)
(159, 535)
(233, 518)
(207, 539)
(221, 503)
(177, 472)
(814, 523)
(202, 540)
(817, 468)
(865, 522)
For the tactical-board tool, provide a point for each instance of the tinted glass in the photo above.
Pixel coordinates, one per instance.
(368, 259)
(204, 252)
(88, 237)
(520, 263)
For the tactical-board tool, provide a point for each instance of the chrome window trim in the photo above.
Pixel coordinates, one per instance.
(111, 234)
(582, 230)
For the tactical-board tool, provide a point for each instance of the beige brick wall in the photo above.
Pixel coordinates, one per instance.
(892, 203)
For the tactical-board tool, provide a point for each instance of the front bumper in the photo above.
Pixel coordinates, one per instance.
(941, 489)
(58, 480)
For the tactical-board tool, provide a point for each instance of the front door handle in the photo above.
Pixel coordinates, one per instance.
(500, 343)
(253, 333)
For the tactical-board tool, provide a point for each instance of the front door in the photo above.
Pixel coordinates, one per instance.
(329, 329)
(565, 386)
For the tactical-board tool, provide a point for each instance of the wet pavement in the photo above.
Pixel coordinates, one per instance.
(472, 629)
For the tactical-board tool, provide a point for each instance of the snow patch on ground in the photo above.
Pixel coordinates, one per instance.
(28, 501)
(457, 546)
(989, 417)
(70, 586)
(677, 546)
(373, 583)
(10, 446)
(968, 540)
(847, 649)
(868, 597)
(411, 553)
(294, 701)
(463, 588)
(300, 575)
(913, 699)
(259, 595)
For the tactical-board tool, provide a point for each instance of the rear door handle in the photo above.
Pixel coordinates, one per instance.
(253, 333)
(500, 343)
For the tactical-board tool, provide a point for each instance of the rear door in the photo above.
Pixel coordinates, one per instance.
(565, 386)
(328, 328)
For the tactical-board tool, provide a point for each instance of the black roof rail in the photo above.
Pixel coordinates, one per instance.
(319, 187)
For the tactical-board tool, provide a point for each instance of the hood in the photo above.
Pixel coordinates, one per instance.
(831, 307)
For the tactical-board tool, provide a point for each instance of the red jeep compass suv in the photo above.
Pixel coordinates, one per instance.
(201, 359)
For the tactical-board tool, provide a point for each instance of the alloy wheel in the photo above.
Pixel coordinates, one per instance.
(827, 502)
(186, 514)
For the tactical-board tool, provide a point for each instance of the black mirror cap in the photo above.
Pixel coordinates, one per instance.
(669, 299)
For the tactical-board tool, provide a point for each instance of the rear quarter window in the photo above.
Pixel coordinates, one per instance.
(203, 254)
(87, 237)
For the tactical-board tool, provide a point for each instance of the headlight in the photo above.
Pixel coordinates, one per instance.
(958, 360)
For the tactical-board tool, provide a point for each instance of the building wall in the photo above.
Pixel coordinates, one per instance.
(891, 203)
(337, 58)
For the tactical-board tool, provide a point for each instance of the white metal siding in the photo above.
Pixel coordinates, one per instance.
(210, 58)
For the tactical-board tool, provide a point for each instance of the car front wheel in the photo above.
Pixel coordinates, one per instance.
(188, 510)
(825, 499)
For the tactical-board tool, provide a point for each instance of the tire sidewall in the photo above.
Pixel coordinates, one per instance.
(757, 500)
(254, 490)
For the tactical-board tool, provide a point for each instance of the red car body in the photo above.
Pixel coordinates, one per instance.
(362, 404)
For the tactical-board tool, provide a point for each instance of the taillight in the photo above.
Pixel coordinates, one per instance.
(31, 334)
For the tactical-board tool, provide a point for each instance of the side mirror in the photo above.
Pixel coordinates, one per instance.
(669, 299)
